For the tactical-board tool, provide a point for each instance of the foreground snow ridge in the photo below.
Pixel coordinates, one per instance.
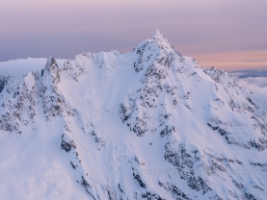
(149, 124)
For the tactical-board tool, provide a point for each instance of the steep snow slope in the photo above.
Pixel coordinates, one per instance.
(150, 124)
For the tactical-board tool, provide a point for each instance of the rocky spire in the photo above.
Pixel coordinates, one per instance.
(162, 41)
(51, 72)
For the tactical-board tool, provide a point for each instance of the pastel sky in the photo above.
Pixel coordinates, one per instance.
(227, 34)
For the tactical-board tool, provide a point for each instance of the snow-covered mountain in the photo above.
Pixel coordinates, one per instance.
(149, 124)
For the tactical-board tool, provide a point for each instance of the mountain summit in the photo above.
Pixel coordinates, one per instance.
(149, 124)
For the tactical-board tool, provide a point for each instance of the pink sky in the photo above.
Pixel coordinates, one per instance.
(223, 33)
(234, 60)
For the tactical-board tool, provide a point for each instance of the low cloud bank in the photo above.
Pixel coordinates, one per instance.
(253, 81)
(21, 67)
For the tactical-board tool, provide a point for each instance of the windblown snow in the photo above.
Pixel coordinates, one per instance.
(149, 124)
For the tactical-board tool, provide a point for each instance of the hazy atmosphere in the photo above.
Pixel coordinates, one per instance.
(223, 33)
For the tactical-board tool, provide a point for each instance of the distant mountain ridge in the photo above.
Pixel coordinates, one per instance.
(149, 124)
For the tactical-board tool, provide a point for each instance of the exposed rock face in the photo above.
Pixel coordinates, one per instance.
(150, 124)
(3, 81)
(50, 73)
(52, 103)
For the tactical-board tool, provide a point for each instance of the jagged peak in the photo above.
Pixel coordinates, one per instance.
(157, 42)
(51, 61)
(51, 70)
(158, 34)
(162, 41)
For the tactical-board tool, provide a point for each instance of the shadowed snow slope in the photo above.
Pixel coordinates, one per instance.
(150, 124)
